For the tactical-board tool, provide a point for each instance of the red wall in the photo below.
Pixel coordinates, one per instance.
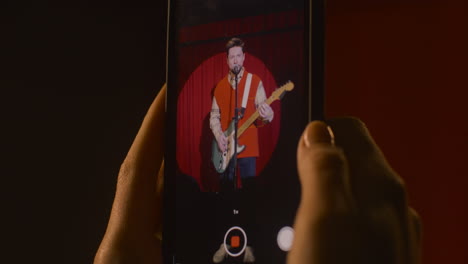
(401, 66)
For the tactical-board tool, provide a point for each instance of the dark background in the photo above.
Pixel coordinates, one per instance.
(76, 81)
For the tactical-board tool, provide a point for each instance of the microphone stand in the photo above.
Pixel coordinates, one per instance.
(236, 123)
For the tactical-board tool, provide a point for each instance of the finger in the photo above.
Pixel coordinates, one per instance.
(133, 218)
(415, 229)
(147, 150)
(159, 202)
(222, 145)
(416, 225)
(137, 179)
(373, 181)
(379, 193)
(322, 169)
(353, 136)
(262, 112)
(325, 197)
(265, 111)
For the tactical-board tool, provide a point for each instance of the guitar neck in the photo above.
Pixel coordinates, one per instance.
(252, 118)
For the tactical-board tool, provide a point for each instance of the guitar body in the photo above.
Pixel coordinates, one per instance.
(221, 159)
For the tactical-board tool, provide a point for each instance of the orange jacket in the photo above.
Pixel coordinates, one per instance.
(225, 97)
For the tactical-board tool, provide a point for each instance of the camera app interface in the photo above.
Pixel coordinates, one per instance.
(242, 105)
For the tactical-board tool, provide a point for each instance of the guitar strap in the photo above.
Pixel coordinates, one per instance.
(248, 82)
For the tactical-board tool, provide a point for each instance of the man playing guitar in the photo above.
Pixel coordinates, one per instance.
(251, 97)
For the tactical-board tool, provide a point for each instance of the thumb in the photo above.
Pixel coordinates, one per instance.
(323, 170)
(323, 173)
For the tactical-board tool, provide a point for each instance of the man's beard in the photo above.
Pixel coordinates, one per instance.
(236, 69)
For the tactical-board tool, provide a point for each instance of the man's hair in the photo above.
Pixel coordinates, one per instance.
(234, 42)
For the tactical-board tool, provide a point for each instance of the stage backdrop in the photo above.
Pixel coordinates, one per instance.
(271, 46)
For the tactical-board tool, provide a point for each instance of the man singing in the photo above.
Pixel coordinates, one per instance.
(251, 96)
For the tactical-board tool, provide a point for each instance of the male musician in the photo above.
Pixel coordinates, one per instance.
(251, 96)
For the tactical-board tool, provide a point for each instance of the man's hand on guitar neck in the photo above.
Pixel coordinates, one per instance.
(266, 112)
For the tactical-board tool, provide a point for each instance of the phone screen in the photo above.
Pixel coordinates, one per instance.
(231, 194)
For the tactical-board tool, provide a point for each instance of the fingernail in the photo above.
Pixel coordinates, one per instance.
(318, 132)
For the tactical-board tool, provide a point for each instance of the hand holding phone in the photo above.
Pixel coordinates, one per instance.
(216, 214)
(326, 171)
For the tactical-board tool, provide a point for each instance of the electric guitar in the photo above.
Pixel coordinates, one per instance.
(221, 159)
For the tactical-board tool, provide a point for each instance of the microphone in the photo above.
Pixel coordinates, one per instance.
(236, 70)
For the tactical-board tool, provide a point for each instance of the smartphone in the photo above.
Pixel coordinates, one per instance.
(244, 79)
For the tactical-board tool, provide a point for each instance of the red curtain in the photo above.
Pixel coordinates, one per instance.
(202, 64)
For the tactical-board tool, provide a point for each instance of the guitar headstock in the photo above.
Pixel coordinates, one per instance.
(278, 93)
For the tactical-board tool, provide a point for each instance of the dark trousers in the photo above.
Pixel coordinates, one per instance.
(247, 169)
